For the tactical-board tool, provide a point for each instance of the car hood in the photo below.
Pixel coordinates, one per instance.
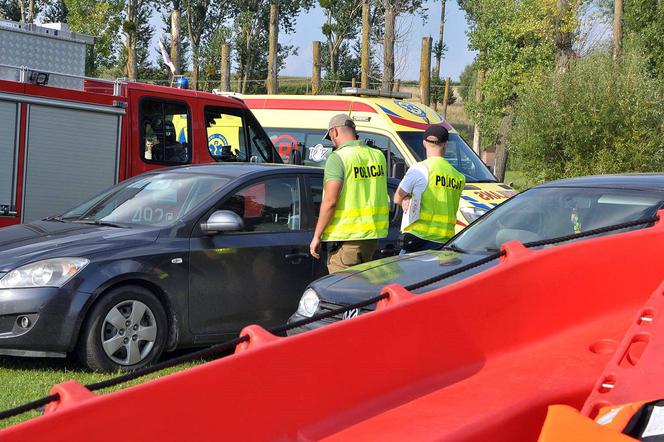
(367, 280)
(25, 243)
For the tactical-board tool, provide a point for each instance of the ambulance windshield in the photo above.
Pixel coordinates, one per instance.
(458, 153)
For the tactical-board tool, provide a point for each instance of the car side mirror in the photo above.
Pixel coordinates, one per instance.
(222, 221)
(398, 169)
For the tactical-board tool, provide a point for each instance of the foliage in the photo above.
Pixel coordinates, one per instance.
(344, 20)
(438, 91)
(102, 19)
(643, 22)
(9, 10)
(468, 80)
(516, 42)
(599, 117)
(55, 12)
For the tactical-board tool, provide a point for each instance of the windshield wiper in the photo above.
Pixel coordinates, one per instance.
(95, 222)
(454, 248)
(54, 218)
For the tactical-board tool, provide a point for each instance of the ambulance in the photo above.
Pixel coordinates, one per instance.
(385, 120)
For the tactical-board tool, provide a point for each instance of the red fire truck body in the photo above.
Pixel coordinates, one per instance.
(62, 146)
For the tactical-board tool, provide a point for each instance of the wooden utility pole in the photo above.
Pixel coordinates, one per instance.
(617, 27)
(272, 54)
(425, 71)
(438, 50)
(446, 97)
(388, 46)
(396, 85)
(366, 42)
(478, 98)
(315, 75)
(175, 40)
(225, 67)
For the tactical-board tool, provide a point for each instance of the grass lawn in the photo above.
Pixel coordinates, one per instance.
(27, 379)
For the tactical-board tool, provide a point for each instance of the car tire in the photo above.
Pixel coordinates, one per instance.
(125, 330)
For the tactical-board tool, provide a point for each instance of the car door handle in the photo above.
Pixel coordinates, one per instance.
(299, 255)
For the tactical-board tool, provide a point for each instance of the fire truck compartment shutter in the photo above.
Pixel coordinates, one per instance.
(83, 146)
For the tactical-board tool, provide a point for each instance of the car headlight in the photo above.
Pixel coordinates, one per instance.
(48, 273)
(308, 303)
(472, 213)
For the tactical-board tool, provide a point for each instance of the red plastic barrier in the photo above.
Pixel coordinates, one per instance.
(634, 372)
(478, 360)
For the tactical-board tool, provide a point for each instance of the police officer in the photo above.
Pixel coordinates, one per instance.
(354, 212)
(431, 189)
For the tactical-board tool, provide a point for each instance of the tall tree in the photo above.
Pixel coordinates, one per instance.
(55, 12)
(343, 18)
(103, 19)
(439, 47)
(176, 34)
(617, 27)
(9, 10)
(391, 10)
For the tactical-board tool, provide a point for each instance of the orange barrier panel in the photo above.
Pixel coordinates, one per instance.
(477, 360)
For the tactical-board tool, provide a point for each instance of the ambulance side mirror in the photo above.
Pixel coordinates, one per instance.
(399, 169)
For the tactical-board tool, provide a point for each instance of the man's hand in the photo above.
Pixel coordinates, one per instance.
(314, 247)
(405, 202)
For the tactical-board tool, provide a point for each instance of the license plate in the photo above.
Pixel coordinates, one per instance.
(350, 314)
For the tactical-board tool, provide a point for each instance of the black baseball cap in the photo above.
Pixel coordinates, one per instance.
(436, 134)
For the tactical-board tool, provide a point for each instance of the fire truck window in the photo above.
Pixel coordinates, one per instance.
(8, 157)
(166, 132)
(225, 132)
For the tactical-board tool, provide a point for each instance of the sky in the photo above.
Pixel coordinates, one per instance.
(407, 58)
(456, 58)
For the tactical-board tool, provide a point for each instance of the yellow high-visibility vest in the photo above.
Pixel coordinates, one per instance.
(362, 211)
(439, 202)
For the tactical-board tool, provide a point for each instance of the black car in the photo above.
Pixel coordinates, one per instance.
(173, 258)
(548, 211)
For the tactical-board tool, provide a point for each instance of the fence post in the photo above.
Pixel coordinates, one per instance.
(366, 49)
(225, 67)
(425, 71)
(315, 77)
(446, 96)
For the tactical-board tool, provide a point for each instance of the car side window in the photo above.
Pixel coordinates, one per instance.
(225, 134)
(271, 205)
(165, 131)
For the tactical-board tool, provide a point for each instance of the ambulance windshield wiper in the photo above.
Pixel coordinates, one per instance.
(454, 248)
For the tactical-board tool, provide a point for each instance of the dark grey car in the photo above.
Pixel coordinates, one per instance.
(548, 211)
(173, 258)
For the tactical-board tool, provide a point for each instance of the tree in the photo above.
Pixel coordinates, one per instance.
(439, 48)
(251, 36)
(391, 10)
(55, 12)
(9, 10)
(643, 26)
(343, 18)
(136, 54)
(102, 19)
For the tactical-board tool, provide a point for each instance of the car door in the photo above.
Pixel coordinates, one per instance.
(389, 246)
(254, 276)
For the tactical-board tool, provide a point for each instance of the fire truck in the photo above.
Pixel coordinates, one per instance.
(65, 137)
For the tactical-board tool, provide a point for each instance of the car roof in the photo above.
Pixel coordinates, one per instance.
(236, 170)
(640, 181)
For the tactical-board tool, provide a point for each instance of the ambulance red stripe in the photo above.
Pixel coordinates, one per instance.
(329, 105)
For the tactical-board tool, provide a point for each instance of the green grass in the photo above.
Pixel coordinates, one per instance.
(27, 379)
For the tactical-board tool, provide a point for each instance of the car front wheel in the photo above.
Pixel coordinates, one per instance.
(125, 330)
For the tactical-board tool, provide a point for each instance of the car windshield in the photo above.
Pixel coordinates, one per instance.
(149, 200)
(458, 153)
(546, 213)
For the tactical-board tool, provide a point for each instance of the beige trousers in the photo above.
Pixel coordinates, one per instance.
(351, 253)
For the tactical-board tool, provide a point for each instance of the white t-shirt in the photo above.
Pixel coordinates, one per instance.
(414, 183)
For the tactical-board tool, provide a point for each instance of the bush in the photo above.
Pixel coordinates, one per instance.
(601, 116)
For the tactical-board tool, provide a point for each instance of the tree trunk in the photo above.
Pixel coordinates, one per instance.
(477, 142)
(564, 38)
(440, 43)
(31, 11)
(272, 87)
(617, 27)
(388, 47)
(446, 97)
(502, 149)
(225, 67)
(425, 71)
(247, 64)
(130, 39)
(21, 7)
(315, 75)
(366, 48)
(175, 40)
